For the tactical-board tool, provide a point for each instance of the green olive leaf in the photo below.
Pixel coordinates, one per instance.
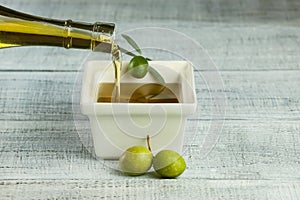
(132, 43)
(156, 74)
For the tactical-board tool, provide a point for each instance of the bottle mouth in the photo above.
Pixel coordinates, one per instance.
(103, 36)
(106, 28)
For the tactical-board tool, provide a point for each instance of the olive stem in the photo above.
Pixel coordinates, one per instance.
(127, 52)
(148, 143)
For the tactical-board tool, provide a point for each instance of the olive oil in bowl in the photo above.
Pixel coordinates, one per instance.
(139, 93)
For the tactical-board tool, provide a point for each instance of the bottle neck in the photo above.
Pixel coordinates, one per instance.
(20, 29)
(87, 36)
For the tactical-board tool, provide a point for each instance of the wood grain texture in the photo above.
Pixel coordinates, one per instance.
(286, 11)
(231, 47)
(150, 189)
(251, 150)
(255, 45)
(238, 35)
(249, 95)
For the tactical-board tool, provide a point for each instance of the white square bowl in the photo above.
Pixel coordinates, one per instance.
(118, 126)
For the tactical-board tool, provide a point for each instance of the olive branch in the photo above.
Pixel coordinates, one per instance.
(151, 70)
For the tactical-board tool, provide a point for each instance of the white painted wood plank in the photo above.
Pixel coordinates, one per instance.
(283, 11)
(271, 42)
(149, 189)
(231, 47)
(248, 95)
(250, 150)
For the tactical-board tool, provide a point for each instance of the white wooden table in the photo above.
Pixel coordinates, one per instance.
(256, 48)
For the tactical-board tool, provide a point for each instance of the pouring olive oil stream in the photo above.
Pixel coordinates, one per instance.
(21, 29)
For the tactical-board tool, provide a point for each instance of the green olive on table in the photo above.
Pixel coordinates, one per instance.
(136, 160)
(138, 67)
(169, 164)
